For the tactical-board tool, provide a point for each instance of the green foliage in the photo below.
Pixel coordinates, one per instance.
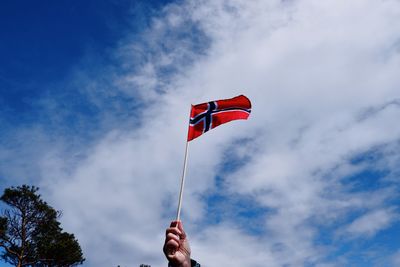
(30, 233)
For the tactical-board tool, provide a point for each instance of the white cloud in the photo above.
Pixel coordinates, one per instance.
(314, 71)
(372, 222)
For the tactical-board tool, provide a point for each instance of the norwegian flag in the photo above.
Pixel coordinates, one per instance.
(206, 116)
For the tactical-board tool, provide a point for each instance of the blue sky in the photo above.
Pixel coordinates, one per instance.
(94, 104)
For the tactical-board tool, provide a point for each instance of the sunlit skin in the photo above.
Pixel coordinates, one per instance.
(176, 246)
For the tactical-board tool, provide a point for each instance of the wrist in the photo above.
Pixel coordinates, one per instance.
(186, 263)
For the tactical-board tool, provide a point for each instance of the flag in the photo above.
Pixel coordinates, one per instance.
(206, 116)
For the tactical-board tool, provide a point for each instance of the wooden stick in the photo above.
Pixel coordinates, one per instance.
(178, 213)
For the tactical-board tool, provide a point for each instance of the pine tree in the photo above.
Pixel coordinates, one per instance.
(31, 234)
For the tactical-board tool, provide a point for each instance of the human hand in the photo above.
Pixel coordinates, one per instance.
(176, 247)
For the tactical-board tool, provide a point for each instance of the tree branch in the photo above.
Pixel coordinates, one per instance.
(8, 249)
(36, 261)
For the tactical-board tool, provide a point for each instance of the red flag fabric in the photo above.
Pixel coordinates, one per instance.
(206, 116)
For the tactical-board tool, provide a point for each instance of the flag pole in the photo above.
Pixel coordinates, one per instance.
(178, 213)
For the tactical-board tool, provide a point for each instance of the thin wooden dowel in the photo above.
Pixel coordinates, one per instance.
(178, 213)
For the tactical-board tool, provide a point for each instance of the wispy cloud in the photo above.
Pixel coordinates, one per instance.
(369, 224)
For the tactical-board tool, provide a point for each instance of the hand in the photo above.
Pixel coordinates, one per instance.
(176, 246)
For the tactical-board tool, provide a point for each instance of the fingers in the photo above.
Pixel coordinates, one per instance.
(174, 230)
(176, 247)
(179, 226)
(174, 235)
(170, 247)
(172, 240)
